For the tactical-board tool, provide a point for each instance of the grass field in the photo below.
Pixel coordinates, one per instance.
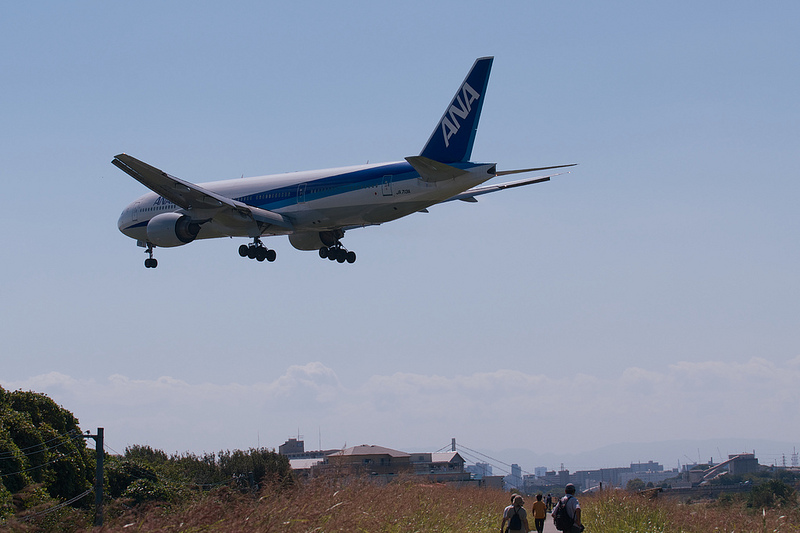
(411, 507)
(360, 506)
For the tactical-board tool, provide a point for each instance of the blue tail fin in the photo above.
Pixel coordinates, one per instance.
(454, 136)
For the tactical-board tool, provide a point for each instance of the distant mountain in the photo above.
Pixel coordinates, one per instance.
(668, 453)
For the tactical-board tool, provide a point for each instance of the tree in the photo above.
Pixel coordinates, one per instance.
(773, 493)
(40, 442)
(635, 485)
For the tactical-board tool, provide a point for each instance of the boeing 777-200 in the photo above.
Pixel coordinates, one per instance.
(315, 208)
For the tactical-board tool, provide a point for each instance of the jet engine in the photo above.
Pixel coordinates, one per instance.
(171, 229)
(315, 240)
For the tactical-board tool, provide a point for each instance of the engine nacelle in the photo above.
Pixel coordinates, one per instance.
(171, 229)
(315, 240)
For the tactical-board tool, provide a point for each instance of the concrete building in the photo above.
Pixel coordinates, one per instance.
(371, 459)
(514, 479)
(738, 464)
(437, 463)
(296, 449)
(479, 470)
(649, 466)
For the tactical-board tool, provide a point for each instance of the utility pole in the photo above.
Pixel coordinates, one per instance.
(98, 475)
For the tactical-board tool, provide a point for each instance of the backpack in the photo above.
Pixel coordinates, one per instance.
(515, 524)
(560, 515)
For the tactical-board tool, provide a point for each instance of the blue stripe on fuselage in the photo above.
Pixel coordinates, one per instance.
(273, 199)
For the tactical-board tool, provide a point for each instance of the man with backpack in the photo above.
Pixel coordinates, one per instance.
(567, 512)
(516, 516)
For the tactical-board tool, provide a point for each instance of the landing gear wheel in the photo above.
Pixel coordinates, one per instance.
(337, 253)
(150, 262)
(256, 250)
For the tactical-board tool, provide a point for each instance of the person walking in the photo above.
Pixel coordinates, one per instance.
(516, 516)
(568, 519)
(539, 513)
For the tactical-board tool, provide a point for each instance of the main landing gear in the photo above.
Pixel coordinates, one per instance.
(338, 253)
(257, 251)
(150, 262)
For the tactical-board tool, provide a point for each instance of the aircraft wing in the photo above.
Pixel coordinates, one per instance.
(469, 195)
(195, 198)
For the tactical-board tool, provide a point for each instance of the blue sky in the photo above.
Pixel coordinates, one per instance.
(656, 282)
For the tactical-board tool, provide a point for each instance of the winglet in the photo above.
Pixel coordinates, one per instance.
(454, 135)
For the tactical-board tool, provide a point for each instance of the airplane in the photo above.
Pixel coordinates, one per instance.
(315, 208)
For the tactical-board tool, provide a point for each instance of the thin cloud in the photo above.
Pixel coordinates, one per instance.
(407, 410)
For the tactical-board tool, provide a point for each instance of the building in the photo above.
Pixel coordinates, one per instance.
(479, 470)
(383, 464)
(292, 447)
(514, 479)
(296, 449)
(371, 459)
(438, 463)
(649, 466)
(738, 464)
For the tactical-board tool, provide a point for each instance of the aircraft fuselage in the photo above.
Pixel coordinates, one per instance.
(317, 200)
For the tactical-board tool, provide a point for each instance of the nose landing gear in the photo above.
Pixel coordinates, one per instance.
(151, 261)
(257, 251)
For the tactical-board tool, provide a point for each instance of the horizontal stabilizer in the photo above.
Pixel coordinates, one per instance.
(469, 196)
(432, 171)
(523, 170)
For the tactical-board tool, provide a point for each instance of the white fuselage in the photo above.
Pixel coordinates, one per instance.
(317, 200)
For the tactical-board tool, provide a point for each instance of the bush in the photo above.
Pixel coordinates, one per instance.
(40, 443)
(773, 493)
(146, 490)
(635, 485)
(119, 474)
(6, 508)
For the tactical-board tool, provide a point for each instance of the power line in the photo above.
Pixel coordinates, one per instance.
(59, 506)
(491, 460)
(57, 459)
(479, 460)
(71, 436)
(107, 447)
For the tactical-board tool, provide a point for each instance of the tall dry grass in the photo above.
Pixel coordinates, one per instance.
(402, 507)
(325, 505)
(623, 512)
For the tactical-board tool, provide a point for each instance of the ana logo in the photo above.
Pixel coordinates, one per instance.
(464, 99)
